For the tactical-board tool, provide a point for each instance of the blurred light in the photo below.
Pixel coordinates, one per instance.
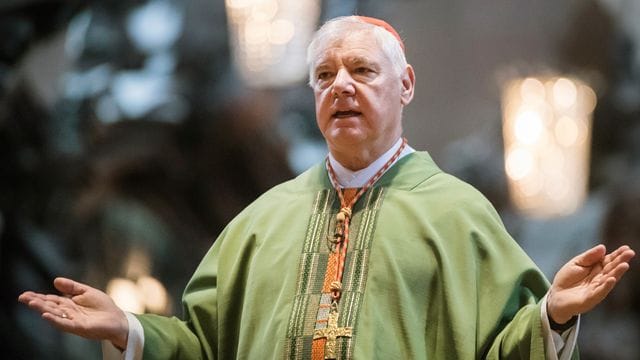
(304, 153)
(76, 35)
(155, 26)
(147, 294)
(138, 263)
(138, 92)
(566, 131)
(256, 32)
(81, 85)
(264, 10)
(565, 92)
(238, 4)
(126, 294)
(532, 90)
(161, 63)
(269, 39)
(528, 126)
(519, 163)
(155, 295)
(281, 32)
(546, 129)
(107, 110)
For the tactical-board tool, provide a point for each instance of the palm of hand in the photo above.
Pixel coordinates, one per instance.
(82, 310)
(585, 281)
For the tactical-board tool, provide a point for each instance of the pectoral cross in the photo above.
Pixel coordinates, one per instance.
(332, 332)
(338, 234)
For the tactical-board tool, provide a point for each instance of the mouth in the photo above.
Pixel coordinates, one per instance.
(346, 114)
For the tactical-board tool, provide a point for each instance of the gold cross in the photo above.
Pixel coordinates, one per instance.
(331, 333)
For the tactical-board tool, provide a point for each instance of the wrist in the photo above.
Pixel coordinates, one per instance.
(556, 319)
(554, 312)
(122, 333)
(562, 327)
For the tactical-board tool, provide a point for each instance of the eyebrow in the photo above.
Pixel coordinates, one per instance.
(320, 68)
(325, 63)
(360, 60)
(352, 61)
(357, 61)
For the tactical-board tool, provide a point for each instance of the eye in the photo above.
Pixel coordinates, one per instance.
(323, 75)
(362, 70)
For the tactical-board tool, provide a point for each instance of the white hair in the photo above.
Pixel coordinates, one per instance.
(338, 28)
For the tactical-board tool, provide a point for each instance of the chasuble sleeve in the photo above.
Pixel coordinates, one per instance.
(195, 336)
(238, 301)
(519, 333)
(496, 286)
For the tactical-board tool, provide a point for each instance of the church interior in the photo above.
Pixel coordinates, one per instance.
(133, 131)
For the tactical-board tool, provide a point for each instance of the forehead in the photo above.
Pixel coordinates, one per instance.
(362, 45)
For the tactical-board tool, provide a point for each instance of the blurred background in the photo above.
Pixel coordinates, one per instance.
(132, 131)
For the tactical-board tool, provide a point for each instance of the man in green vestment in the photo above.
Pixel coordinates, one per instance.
(414, 265)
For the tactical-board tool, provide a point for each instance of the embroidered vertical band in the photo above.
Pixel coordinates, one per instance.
(310, 309)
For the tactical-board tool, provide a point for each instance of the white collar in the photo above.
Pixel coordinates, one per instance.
(356, 179)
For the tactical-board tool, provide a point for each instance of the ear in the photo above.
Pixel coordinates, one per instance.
(408, 79)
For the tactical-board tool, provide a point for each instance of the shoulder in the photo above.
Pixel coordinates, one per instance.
(285, 194)
(449, 192)
(416, 179)
(421, 189)
(310, 181)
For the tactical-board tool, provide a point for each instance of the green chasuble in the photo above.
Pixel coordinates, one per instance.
(430, 273)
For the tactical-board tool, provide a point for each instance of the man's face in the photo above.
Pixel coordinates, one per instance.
(359, 94)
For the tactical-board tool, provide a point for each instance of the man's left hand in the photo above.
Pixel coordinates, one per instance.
(585, 281)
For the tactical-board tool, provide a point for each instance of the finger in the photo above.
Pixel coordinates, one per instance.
(54, 298)
(622, 255)
(605, 283)
(45, 306)
(616, 253)
(69, 287)
(32, 294)
(591, 256)
(629, 254)
(41, 303)
(602, 290)
(619, 271)
(27, 296)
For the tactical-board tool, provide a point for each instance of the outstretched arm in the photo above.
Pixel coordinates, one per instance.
(585, 281)
(81, 310)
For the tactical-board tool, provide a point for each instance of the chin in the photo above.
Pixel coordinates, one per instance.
(341, 138)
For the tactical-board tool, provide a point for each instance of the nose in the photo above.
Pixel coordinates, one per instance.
(343, 84)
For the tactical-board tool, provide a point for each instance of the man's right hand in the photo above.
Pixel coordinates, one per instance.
(81, 310)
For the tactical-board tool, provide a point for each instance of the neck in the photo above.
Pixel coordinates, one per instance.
(342, 177)
(356, 158)
(356, 162)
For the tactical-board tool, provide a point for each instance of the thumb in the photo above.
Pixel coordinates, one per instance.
(591, 256)
(69, 287)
